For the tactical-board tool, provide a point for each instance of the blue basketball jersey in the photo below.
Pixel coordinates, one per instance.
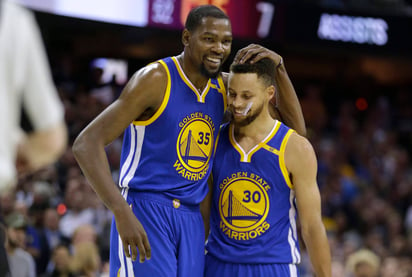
(170, 153)
(253, 218)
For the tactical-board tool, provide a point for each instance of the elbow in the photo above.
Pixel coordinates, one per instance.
(79, 146)
(310, 229)
(86, 145)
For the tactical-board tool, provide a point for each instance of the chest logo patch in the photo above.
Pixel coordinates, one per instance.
(244, 206)
(194, 147)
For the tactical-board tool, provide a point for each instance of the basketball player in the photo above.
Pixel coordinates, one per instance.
(263, 174)
(170, 112)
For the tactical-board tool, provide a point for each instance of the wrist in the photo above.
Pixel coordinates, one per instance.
(120, 208)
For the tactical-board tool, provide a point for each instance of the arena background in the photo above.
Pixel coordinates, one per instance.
(350, 62)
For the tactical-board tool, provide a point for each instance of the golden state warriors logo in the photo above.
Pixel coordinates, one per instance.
(195, 145)
(244, 206)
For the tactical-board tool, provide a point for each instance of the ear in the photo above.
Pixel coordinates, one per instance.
(271, 92)
(185, 37)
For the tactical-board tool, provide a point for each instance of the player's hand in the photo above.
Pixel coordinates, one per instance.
(133, 236)
(255, 52)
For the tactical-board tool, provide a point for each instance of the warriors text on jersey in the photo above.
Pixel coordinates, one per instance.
(171, 152)
(253, 208)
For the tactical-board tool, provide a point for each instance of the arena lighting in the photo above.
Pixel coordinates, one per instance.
(361, 104)
(361, 30)
(61, 209)
(127, 12)
(250, 18)
(111, 68)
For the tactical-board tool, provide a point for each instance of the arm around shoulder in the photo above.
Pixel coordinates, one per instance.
(287, 101)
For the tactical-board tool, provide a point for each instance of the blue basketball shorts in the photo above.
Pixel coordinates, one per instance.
(176, 235)
(217, 268)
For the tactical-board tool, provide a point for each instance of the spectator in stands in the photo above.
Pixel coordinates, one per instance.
(61, 259)
(363, 263)
(86, 260)
(20, 261)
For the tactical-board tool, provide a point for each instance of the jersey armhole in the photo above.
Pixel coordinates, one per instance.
(282, 163)
(164, 102)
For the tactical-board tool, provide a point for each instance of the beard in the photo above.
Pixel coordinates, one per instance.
(250, 117)
(209, 74)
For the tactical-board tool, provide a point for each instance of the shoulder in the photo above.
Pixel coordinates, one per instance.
(298, 145)
(151, 77)
(146, 88)
(23, 255)
(154, 71)
(223, 138)
(224, 127)
(224, 131)
(299, 152)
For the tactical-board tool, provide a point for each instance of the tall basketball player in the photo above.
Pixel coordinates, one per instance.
(170, 112)
(264, 175)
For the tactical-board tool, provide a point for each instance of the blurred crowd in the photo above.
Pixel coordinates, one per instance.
(361, 132)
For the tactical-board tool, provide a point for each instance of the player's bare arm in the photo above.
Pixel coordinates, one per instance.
(287, 104)
(144, 92)
(301, 163)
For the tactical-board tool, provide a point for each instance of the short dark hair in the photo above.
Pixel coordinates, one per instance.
(264, 68)
(194, 19)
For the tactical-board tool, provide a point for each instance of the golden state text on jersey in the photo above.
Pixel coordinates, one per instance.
(243, 206)
(172, 152)
(195, 146)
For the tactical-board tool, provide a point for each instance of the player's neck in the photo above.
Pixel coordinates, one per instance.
(256, 131)
(192, 72)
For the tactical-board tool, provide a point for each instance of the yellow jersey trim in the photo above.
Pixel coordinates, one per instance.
(200, 96)
(282, 159)
(247, 157)
(164, 102)
(217, 140)
(221, 89)
(234, 143)
(271, 149)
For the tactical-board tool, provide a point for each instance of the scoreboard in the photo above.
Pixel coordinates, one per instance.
(269, 20)
(250, 18)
